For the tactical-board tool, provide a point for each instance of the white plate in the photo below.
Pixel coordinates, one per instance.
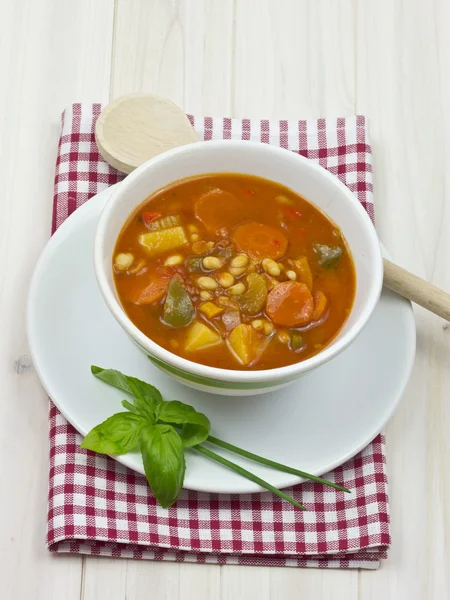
(315, 424)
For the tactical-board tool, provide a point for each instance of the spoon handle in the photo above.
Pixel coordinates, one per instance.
(417, 290)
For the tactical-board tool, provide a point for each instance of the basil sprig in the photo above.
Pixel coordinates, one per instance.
(163, 430)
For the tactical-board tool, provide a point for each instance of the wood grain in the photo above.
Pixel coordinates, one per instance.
(416, 289)
(51, 54)
(288, 58)
(136, 127)
(402, 87)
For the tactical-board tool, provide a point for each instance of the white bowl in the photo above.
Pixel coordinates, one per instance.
(295, 172)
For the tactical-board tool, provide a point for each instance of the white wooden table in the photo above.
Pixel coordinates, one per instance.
(387, 59)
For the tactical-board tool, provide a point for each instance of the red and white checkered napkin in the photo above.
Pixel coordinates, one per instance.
(97, 506)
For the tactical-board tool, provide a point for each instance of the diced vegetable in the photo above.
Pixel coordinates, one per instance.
(200, 247)
(304, 271)
(178, 308)
(231, 319)
(297, 341)
(148, 217)
(148, 293)
(328, 256)
(163, 223)
(320, 304)
(200, 337)
(224, 252)
(210, 310)
(290, 304)
(218, 209)
(157, 242)
(244, 343)
(195, 264)
(260, 241)
(253, 300)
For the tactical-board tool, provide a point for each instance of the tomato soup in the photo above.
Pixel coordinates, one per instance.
(234, 271)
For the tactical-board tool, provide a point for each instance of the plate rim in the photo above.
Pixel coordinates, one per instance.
(58, 237)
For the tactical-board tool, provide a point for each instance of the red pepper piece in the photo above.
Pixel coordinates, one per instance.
(148, 217)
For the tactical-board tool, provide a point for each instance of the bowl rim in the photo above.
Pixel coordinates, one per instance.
(277, 374)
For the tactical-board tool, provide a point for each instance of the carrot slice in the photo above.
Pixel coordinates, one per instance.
(149, 288)
(260, 241)
(153, 292)
(218, 209)
(320, 304)
(290, 304)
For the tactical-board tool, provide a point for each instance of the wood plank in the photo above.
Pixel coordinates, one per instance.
(180, 50)
(294, 59)
(52, 54)
(402, 87)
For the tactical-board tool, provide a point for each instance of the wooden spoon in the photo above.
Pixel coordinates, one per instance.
(135, 128)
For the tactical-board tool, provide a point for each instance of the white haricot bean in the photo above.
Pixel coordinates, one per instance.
(211, 263)
(237, 271)
(268, 327)
(241, 260)
(204, 295)
(210, 245)
(207, 283)
(195, 237)
(291, 275)
(173, 261)
(192, 228)
(123, 261)
(271, 267)
(225, 279)
(237, 289)
(283, 336)
(258, 324)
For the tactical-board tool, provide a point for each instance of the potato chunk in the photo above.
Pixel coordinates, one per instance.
(244, 343)
(158, 242)
(200, 337)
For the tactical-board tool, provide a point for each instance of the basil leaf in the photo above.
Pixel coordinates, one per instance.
(147, 397)
(129, 406)
(117, 435)
(164, 462)
(144, 399)
(194, 434)
(196, 425)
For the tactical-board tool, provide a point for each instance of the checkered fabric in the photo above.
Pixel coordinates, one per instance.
(97, 506)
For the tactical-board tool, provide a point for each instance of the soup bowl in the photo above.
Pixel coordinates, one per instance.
(305, 178)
